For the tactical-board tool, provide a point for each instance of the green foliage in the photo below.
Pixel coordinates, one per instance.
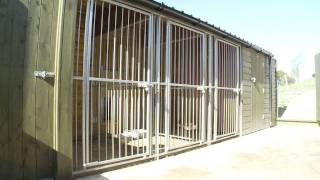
(282, 77)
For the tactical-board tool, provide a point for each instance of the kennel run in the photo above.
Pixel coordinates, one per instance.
(110, 83)
(146, 84)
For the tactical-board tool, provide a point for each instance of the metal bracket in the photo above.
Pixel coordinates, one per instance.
(43, 74)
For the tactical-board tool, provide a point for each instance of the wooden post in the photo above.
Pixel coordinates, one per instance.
(317, 75)
(65, 38)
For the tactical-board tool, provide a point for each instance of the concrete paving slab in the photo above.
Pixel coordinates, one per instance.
(287, 151)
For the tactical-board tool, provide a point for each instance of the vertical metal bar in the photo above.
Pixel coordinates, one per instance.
(114, 44)
(236, 94)
(189, 90)
(113, 77)
(204, 81)
(99, 86)
(229, 76)
(215, 104)
(107, 93)
(174, 66)
(227, 79)
(149, 78)
(86, 72)
(193, 82)
(221, 118)
(143, 78)
(138, 101)
(158, 74)
(238, 79)
(91, 88)
(179, 81)
(120, 86)
(76, 88)
(182, 94)
(168, 100)
(132, 78)
(232, 100)
(210, 102)
(135, 57)
(197, 83)
(126, 84)
(186, 75)
(224, 85)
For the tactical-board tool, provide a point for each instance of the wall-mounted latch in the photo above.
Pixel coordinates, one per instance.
(43, 74)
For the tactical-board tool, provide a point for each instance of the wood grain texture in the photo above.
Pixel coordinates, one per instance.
(64, 156)
(29, 91)
(17, 51)
(5, 43)
(43, 99)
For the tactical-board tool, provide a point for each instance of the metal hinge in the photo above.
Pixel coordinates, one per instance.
(43, 74)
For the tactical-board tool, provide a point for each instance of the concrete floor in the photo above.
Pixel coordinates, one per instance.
(288, 151)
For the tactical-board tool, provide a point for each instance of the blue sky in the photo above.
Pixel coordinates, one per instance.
(289, 29)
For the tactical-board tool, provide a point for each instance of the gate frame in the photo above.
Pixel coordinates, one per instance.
(168, 83)
(206, 53)
(87, 79)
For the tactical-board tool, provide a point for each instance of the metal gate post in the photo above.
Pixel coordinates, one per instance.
(157, 90)
(204, 81)
(210, 95)
(238, 92)
(167, 102)
(215, 113)
(149, 79)
(86, 74)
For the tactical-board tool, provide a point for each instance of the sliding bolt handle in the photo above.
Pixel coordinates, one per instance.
(253, 79)
(43, 74)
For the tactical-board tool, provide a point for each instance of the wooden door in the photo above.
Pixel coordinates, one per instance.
(257, 80)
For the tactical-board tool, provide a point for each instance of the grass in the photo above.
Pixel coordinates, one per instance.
(287, 93)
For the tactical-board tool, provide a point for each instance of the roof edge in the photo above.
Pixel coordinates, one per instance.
(161, 7)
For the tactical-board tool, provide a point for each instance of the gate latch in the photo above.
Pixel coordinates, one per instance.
(43, 74)
(237, 90)
(202, 89)
(146, 86)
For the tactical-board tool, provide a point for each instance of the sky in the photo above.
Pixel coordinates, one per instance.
(290, 29)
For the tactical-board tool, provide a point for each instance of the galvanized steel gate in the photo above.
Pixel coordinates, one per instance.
(146, 85)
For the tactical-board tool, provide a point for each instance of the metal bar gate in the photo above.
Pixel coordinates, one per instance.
(145, 85)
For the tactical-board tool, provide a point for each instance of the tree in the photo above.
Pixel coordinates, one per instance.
(283, 78)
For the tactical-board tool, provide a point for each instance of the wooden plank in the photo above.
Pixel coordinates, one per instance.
(64, 156)
(4, 83)
(43, 150)
(17, 51)
(51, 68)
(29, 96)
(246, 92)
